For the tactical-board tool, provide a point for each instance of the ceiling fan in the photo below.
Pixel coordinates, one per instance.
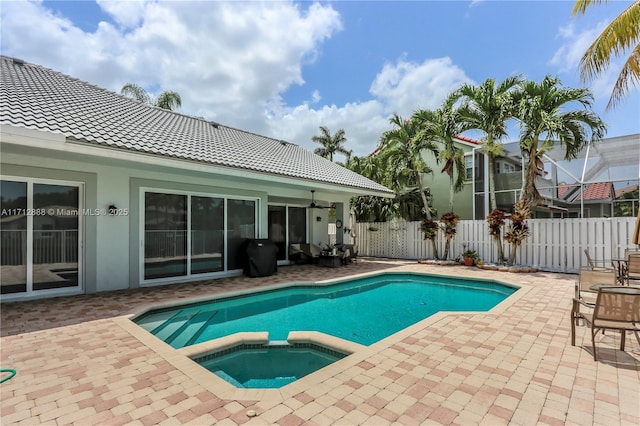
(313, 204)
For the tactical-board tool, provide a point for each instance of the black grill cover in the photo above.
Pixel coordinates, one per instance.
(262, 258)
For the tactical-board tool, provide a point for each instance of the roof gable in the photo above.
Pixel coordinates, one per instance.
(35, 97)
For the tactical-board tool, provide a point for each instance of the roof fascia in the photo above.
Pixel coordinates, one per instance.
(469, 144)
(46, 140)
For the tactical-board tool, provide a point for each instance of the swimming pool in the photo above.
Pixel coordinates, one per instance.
(362, 310)
(268, 366)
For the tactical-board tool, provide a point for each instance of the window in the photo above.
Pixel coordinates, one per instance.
(468, 161)
(189, 234)
(165, 235)
(241, 225)
(207, 234)
(40, 247)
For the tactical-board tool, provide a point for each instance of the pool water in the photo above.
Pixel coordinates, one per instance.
(363, 310)
(271, 366)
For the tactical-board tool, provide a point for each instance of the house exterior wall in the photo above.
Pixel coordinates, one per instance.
(438, 183)
(112, 244)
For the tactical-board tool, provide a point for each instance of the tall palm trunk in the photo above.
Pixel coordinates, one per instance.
(427, 211)
(425, 202)
(493, 204)
(451, 191)
(447, 244)
(530, 194)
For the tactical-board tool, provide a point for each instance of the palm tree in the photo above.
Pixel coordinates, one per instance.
(370, 208)
(166, 100)
(547, 114)
(331, 144)
(401, 152)
(487, 108)
(441, 127)
(621, 34)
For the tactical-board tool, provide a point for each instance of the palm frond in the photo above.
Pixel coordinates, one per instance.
(629, 75)
(135, 91)
(622, 34)
(169, 100)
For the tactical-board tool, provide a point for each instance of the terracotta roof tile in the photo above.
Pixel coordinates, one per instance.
(597, 191)
(468, 139)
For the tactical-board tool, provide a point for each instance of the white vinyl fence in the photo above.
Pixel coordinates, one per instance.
(553, 245)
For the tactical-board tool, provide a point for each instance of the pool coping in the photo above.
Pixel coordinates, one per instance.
(182, 360)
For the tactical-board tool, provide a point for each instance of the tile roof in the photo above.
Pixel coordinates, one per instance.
(468, 139)
(597, 191)
(564, 189)
(36, 97)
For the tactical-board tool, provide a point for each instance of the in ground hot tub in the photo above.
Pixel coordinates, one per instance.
(268, 366)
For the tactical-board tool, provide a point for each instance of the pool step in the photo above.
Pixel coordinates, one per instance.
(151, 322)
(190, 331)
(202, 328)
(174, 326)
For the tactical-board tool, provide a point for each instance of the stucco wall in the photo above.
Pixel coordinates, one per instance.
(111, 254)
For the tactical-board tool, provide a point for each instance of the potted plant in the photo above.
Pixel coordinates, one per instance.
(469, 257)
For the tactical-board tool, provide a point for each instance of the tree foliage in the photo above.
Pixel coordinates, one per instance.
(331, 144)
(551, 114)
(487, 108)
(620, 36)
(166, 100)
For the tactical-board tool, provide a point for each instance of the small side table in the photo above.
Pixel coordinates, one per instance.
(330, 261)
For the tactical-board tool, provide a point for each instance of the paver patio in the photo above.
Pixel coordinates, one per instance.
(78, 362)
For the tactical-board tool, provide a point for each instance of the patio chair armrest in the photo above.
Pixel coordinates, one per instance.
(577, 302)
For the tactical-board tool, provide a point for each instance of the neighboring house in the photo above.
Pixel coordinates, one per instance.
(438, 182)
(596, 198)
(602, 168)
(101, 192)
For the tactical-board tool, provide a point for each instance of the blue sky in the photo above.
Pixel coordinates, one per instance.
(284, 68)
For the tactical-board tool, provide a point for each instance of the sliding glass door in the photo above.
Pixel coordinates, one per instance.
(207, 234)
(165, 234)
(40, 236)
(14, 230)
(190, 234)
(287, 225)
(241, 226)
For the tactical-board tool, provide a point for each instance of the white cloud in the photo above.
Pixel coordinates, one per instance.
(407, 86)
(315, 97)
(126, 13)
(402, 87)
(567, 58)
(230, 62)
(575, 43)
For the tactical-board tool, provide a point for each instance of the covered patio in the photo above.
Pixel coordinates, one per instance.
(78, 362)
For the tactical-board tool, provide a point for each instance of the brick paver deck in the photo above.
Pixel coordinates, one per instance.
(78, 362)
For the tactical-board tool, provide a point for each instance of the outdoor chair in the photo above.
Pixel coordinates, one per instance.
(628, 269)
(595, 264)
(304, 253)
(587, 278)
(616, 308)
(633, 268)
(349, 252)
